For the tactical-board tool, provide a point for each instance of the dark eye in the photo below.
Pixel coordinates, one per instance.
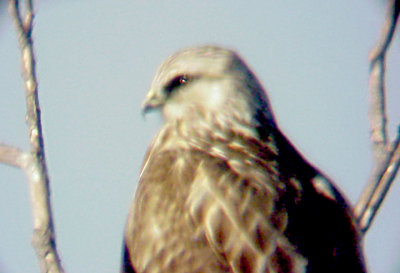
(176, 82)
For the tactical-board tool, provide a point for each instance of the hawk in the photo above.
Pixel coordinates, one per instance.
(223, 190)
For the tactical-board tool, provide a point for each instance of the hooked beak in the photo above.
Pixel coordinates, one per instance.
(151, 102)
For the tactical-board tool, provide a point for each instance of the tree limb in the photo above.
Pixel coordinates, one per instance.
(386, 155)
(34, 163)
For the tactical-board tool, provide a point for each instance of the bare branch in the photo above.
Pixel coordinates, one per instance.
(11, 155)
(386, 155)
(377, 80)
(388, 30)
(382, 188)
(377, 110)
(34, 164)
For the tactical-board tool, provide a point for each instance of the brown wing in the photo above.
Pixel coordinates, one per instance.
(240, 221)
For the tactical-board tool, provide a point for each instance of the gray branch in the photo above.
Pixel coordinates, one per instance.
(386, 155)
(34, 162)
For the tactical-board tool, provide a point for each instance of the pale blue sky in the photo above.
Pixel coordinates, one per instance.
(95, 61)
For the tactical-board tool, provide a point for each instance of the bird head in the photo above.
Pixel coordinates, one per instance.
(207, 83)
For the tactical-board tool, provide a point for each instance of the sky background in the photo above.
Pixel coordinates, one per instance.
(95, 62)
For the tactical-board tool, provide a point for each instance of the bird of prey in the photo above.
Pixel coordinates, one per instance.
(223, 190)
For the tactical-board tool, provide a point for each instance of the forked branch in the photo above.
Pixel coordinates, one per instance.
(386, 154)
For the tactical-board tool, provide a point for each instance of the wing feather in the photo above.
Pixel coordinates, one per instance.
(236, 215)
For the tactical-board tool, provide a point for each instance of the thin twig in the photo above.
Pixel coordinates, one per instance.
(34, 164)
(385, 154)
(387, 31)
(11, 155)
